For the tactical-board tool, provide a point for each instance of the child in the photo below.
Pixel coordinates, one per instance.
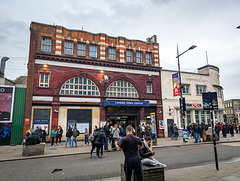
(185, 138)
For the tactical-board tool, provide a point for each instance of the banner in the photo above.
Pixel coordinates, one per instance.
(175, 80)
(6, 105)
(161, 124)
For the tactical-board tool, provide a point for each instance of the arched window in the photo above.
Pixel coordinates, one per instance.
(121, 88)
(80, 86)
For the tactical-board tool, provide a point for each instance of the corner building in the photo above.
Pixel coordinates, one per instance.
(85, 79)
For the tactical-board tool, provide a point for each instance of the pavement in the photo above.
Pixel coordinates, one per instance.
(227, 171)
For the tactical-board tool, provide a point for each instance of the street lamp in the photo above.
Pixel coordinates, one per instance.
(2, 68)
(180, 84)
(238, 27)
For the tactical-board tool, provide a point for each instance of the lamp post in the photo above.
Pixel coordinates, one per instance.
(180, 84)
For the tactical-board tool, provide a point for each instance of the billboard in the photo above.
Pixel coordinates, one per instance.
(175, 80)
(210, 101)
(6, 106)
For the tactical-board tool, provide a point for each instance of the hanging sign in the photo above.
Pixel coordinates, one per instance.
(175, 80)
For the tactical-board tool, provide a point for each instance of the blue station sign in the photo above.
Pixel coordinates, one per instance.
(126, 103)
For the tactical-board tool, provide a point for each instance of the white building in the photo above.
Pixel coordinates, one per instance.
(194, 84)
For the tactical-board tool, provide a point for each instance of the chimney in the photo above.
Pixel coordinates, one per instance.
(2, 68)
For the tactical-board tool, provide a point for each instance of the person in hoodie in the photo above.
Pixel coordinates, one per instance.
(99, 141)
(68, 135)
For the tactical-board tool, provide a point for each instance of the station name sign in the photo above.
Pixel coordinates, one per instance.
(126, 103)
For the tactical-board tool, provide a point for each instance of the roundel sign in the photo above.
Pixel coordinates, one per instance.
(195, 104)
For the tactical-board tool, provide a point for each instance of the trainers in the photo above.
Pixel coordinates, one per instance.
(90, 156)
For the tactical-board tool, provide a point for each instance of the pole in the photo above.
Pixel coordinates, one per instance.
(180, 87)
(214, 141)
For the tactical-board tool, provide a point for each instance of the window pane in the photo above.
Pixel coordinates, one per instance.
(93, 51)
(112, 53)
(81, 48)
(148, 58)
(129, 56)
(46, 44)
(68, 48)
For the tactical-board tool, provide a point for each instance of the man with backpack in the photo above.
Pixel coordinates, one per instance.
(107, 131)
(99, 141)
(75, 134)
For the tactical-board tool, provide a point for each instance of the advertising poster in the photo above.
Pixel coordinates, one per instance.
(175, 80)
(44, 123)
(102, 123)
(6, 106)
(153, 122)
(81, 127)
(161, 124)
(5, 133)
(143, 122)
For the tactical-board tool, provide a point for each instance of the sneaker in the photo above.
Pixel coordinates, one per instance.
(90, 156)
(101, 156)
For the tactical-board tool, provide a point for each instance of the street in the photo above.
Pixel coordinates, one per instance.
(81, 167)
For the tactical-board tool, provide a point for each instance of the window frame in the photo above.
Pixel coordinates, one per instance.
(112, 53)
(81, 48)
(44, 84)
(139, 56)
(91, 51)
(184, 87)
(46, 46)
(68, 50)
(201, 91)
(148, 59)
(129, 56)
(149, 87)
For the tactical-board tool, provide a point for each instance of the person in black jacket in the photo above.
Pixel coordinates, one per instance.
(106, 130)
(93, 137)
(99, 141)
(195, 132)
(33, 139)
(146, 154)
(59, 134)
(69, 135)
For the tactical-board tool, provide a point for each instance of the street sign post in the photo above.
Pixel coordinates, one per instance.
(210, 103)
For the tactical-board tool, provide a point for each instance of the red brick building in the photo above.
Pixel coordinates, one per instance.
(85, 79)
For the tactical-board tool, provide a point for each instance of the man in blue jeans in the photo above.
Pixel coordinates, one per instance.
(75, 134)
(106, 130)
(195, 132)
(68, 135)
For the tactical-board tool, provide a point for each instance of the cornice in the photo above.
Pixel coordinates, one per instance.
(96, 62)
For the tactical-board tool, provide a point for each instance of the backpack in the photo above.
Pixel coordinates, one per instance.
(101, 136)
(206, 127)
(78, 133)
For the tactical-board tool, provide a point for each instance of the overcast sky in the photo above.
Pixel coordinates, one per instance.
(208, 24)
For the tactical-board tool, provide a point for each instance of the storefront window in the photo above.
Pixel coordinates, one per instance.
(121, 88)
(79, 86)
(188, 117)
(197, 116)
(41, 117)
(209, 119)
(203, 117)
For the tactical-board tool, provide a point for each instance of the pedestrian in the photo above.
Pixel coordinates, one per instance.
(130, 144)
(199, 132)
(224, 130)
(175, 131)
(44, 134)
(68, 135)
(189, 129)
(195, 132)
(75, 135)
(148, 130)
(59, 135)
(115, 136)
(217, 131)
(143, 130)
(204, 132)
(121, 131)
(39, 131)
(107, 131)
(93, 140)
(146, 154)
(231, 128)
(86, 134)
(139, 131)
(99, 141)
(53, 134)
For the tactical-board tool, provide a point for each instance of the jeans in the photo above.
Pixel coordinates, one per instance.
(74, 140)
(196, 137)
(199, 138)
(68, 140)
(99, 148)
(52, 141)
(86, 140)
(58, 138)
(106, 143)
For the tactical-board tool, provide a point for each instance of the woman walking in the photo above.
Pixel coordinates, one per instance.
(53, 133)
(86, 136)
(59, 135)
